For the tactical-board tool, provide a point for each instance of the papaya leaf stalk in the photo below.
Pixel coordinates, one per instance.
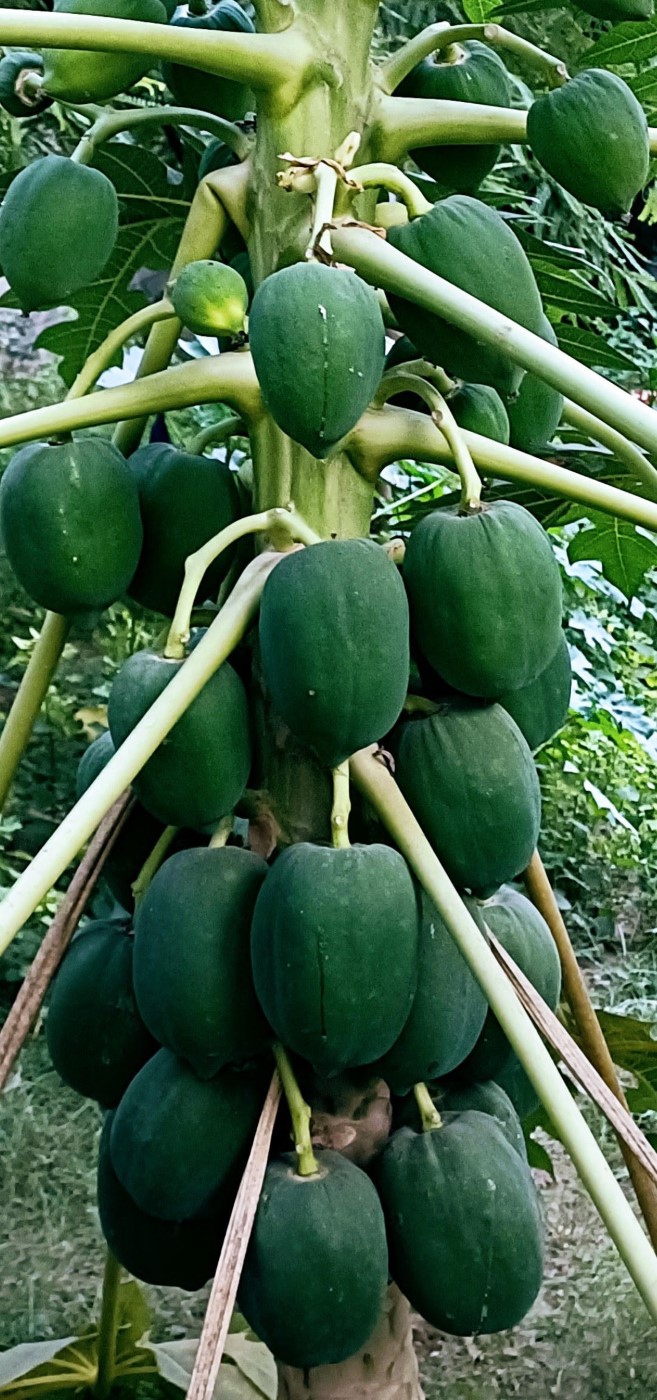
(102, 358)
(631, 456)
(379, 175)
(438, 37)
(109, 124)
(397, 382)
(30, 696)
(217, 433)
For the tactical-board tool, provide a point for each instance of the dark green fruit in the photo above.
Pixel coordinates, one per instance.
(318, 346)
(192, 968)
(479, 409)
(216, 156)
(79, 75)
(541, 708)
(316, 1268)
(204, 90)
(448, 1012)
(471, 781)
(71, 524)
(535, 412)
(185, 500)
(470, 245)
(524, 934)
(451, 1097)
(334, 645)
(476, 74)
(464, 1229)
(58, 227)
(517, 1085)
(334, 949)
(200, 770)
(179, 1143)
(210, 298)
(93, 760)
(96, 1037)
(167, 1253)
(485, 596)
(592, 136)
(15, 65)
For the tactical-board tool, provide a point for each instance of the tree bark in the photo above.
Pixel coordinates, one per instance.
(385, 1369)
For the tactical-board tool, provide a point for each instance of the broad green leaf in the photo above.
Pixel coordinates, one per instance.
(479, 10)
(255, 1361)
(566, 290)
(632, 1043)
(46, 1368)
(644, 86)
(248, 1373)
(18, 1361)
(134, 1320)
(590, 349)
(625, 553)
(634, 42)
(539, 1157)
(643, 1097)
(525, 7)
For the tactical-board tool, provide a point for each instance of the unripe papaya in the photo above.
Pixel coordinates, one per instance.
(96, 1037)
(334, 951)
(58, 226)
(204, 90)
(592, 136)
(192, 966)
(478, 408)
(464, 1227)
(472, 73)
(167, 1253)
(185, 500)
(334, 645)
(316, 1268)
(540, 708)
(179, 1144)
(80, 75)
(518, 1087)
(318, 346)
(471, 781)
(71, 524)
(485, 595)
(210, 298)
(470, 245)
(451, 1097)
(14, 67)
(535, 411)
(216, 156)
(201, 769)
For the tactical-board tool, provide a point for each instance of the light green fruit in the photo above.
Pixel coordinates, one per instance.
(210, 298)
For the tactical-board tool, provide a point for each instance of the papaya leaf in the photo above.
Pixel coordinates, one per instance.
(479, 10)
(590, 349)
(134, 1322)
(643, 1097)
(539, 1157)
(633, 1046)
(247, 1373)
(625, 552)
(45, 1368)
(644, 87)
(566, 290)
(633, 42)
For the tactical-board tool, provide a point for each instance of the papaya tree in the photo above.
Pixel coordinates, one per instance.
(368, 707)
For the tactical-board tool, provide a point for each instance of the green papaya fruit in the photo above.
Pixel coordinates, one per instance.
(316, 1267)
(334, 945)
(192, 965)
(524, 934)
(58, 227)
(618, 10)
(185, 500)
(470, 245)
(448, 1012)
(216, 156)
(166, 1253)
(401, 352)
(205, 91)
(540, 709)
(478, 408)
(334, 645)
(94, 759)
(14, 67)
(179, 1144)
(210, 298)
(485, 596)
(464, 1227)
(79, 75)
(535, 411)
(518, 1087)
(318, 346)
(200, 771)
(592, 136)
(70, 520)
(451, 1097)
(473, 72)
(96, 1037)
(471, 781)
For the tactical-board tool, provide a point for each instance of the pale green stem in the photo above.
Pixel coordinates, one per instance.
(299, 1113)
(280, 524)
(229, 427)
(29, 697)
(433, 373)
(110, 124)
(61, 848)
(626, 452)
(378, 262)
(108, 1329)
(429, 1114)
(380, 789)
(379, 175)
(102, 358)
(441, 36)
(326, 184)
(221, 833)
(397, 382)
(341, 807)
(153, 862)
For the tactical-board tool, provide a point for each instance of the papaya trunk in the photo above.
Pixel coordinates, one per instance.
(385, 1369)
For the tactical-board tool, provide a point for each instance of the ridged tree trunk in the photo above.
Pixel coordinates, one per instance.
(385, 1369)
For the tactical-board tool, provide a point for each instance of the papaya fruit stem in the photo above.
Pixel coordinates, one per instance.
(341, 807)
(299, 1113)
(108, 1328)
(102, 358)
(631, 456)
(214, 648)
(429, 1114)
(231, 426)
(380, 175)
(438, 37)
(152, 863)
(284, 525)
(397, 382)
(221, 833)
(377, 784)
(110, 124)
(29, 697)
